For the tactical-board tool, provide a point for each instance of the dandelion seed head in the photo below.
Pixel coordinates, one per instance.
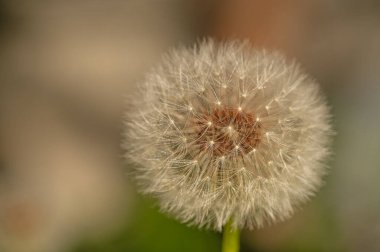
(251, 146)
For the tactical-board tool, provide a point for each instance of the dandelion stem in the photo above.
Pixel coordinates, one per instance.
(230, 241)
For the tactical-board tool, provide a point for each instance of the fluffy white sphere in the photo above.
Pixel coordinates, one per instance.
(224, 131)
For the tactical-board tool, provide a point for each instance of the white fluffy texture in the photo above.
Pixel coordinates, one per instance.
(180, 155)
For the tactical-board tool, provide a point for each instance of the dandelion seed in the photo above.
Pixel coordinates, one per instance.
(200, 181)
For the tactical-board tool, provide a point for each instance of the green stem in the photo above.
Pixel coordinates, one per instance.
(230, 241)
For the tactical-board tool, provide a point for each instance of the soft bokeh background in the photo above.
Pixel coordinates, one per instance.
(64, 67)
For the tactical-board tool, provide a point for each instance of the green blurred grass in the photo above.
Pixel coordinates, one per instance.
(152, 231)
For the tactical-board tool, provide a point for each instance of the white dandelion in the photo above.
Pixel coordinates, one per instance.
(224, 131)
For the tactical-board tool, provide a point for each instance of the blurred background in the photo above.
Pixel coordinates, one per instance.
(64, 68)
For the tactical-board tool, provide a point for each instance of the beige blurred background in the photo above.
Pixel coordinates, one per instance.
(66, 66)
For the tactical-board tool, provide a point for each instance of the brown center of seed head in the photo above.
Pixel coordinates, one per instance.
(227, 131)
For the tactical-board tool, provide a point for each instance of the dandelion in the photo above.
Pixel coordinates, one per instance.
(227, 134)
